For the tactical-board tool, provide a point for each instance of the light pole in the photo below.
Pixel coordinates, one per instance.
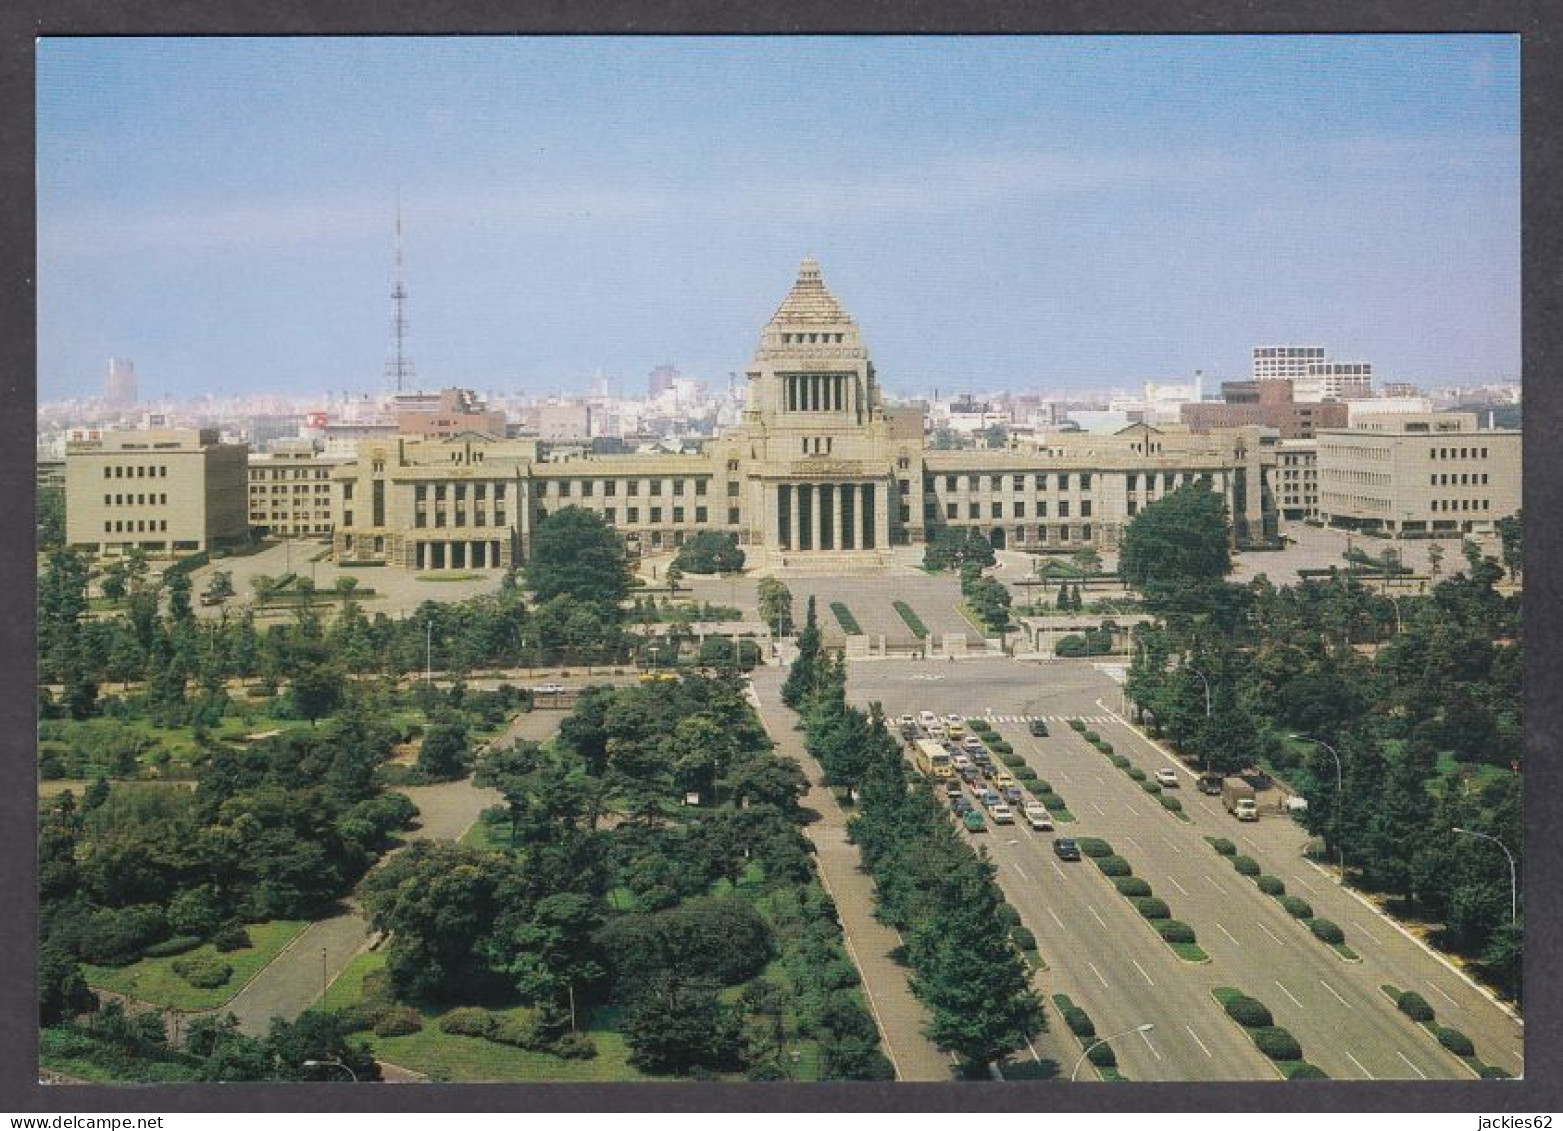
(1201, 675)
(1514, 887)
(1340, 846)
(332, 1064)
(1145, 1028)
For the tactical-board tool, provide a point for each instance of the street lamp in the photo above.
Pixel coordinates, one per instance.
(1145, 1028)
(1201, 675)
(332, 1064)
(1340, 846)
(1514, 887)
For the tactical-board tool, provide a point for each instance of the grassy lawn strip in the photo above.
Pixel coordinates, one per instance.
(1414, 1006)
(1102, 1058)
(438, 577)
(913, 621)
(1279, 1046)
(845, 619)
(1178, 935)
(1327, 932)
(1169, 804)
(153, 980)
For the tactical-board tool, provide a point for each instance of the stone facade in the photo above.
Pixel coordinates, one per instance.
(290, 490)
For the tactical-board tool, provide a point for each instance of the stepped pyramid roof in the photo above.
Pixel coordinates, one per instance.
(809, 303)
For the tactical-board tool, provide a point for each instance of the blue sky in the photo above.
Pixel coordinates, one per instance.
(997, 212)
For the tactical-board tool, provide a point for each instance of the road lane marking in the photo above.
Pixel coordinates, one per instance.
(1228, 934)
(1360, 1069)
(1099, 809)
(1056, 919)
(1099, 780)
(1172, 846)
(1148, 1044)
(1269, 932)
(1063, 775)
(1215, 885)
(1200, 1043)
(1443, 995)
(1134, 842)
(1056, 868)
(1411, 1066)
(1022, 874)
(1033, 1049)
(1333, 994)
(1143, 974)
(1177, 885)
(1094, 915)
(1305, 884)
(1374, 938)
(1288, 993)
(1098, 974)
(1249, 839)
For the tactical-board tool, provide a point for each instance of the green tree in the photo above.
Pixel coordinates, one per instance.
(1509, 530)
(177, 585)
(510, 769)
(219, 587)
(675, 1028)
(51, 517)
(776, 605)
(62, 991)
(576, 554)
(801, 676)
(444, 752)
(710, 551)
(1177, 541)
(318, 687)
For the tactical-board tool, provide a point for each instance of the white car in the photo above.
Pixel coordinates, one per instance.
(906, 721)
(1037, 816)
(927, 719)
(955, 720)
(936, 731)
(960, 762)
(1001, 814)
(1167, 777)
(548, 689)
(972, 743)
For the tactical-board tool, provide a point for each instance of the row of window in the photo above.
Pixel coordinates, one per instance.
(135, 526)
(158, 499)
(1016, 482)
(996, 510)
(458, 517)
(135, 471)
(1463, 479)
(1462, 504)
(566, 488)
(812, 339)
(610, 515)
(1456, 453)
(258, 474)
(298, 489)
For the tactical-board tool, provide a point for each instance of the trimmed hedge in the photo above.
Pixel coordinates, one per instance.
(1013, 761)
(1455, 1041)
(1136, 773)
(1151, 787)
(1245, 865)
(233, 937)
(1079, 1023)
(1091, 736)
(1121, 762)
(1027, 775)
(1175, 931)
(1297, 907)
(1271, 885)
(1132, 886)
(844, 617)
(203, 971)
(1171, 803)
(1094, 846)
(1002, 748)
(1114, 866)
(1493, 1072)
(179, 944)
(981, 726)
(1276, 1043)
(1102, 1056)
(1042, 785)
(913, 621)
(1302, 1070)
(1415, 1006)
(1223, 846)
(1326, 931)
(1105, 747)
(1076, 725)
(1152, 908)
(1250, 1012)
(469, 1021)
(1050, 801)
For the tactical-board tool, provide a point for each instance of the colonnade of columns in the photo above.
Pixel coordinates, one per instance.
(825, 516)
(465, 554)
(816, 392)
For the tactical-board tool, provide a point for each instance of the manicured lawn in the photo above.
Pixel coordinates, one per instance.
(845, 619)
(913, 621)
(153, 979)
(436, 577)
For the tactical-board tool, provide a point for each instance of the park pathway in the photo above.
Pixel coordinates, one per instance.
(901, 1016)
(296, 978)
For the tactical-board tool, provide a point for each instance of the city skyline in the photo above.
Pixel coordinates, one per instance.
(997, 212)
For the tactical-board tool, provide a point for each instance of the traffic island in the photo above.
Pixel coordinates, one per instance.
(1281, 1049)
(1178, 935)
(1415, 1007)
(1170, 804)
(1326, 931)
(1078, 1022)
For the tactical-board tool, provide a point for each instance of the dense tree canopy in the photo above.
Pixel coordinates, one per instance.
(576, 554)
(1179, 540)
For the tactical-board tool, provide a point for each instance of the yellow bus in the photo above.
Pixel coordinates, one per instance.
(933, 760)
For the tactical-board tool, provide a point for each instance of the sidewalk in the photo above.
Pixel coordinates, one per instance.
(900, 1016)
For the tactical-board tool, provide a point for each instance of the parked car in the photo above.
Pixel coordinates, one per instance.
(955, 721)
(1013, 794)
(927, 719)
(956, 730)
(1168, 777)
(973, 821)
(1038, 817)
(906, 721)
(1065, 849)
(967, 772)
(990, 798)
(960, 804)
(952, 788)
(552, 688)
(1002, 815)
(972, 744)
(1038, 728)
(960, 762)
(1002, 777)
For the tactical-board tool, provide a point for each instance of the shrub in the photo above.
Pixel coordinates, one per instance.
(1136, 773)
(1245, 865)
(1493, 1072)
(1271, 885)
(1249, 1012)
(1050, 801)
(1326, 931)
(1276, 1043)
(1042, 786)
(1172, 804)
(517, 1031)
(1092, 737)
(1076, 725)
(468, 1021)
(1121, 762)
(1223, 846)
(204, 972)
(1008, 915)
(1027, 775)
(1079, 1023)
(232, 937)
(1297, 907)
(179, 944)
(1013, 761)
(1415, 1006)
(1114, 866)
(358, 1017)
(1023, 938)
(1103, 1056)
(981, 726)
(1175, 931)
(1132, 886)
(1305, 1071)
(1152, 908)
(1455, 1041)
(1094, 846)
(1002, 749)
(574, 1046)
(397, 1021)
(1105, 747)
(1150, 787)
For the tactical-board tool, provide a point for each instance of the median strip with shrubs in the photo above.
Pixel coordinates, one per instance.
(1078, 1022)
(1325, 930)
(913, 621)
(1282, 1049)
(1175, 933)
(1170, 804)
(845, 619)
(1040, 788)
(1415, 1006)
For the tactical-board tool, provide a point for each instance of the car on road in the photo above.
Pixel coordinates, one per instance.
(952, 788)
(554, 688)
(1002, 815)
(1038, 728)
(960, 761)
(1065, 849)
(906, 721)
(990, 798)
(960, 804)
(973, 821)
(955, 721)
(1037, 816)
(1209, 783)
(1013, 794)
(972, 744)
(1168, 777)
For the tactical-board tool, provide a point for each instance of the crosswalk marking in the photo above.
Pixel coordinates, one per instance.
(1093, 719)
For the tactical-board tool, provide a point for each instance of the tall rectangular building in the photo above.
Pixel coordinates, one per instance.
(120, 388)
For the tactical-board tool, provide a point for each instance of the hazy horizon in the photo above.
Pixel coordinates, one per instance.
(1009, 212)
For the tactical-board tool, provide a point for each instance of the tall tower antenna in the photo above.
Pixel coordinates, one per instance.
(399, 369)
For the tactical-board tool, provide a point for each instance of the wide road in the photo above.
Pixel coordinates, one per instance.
(1111, 962)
